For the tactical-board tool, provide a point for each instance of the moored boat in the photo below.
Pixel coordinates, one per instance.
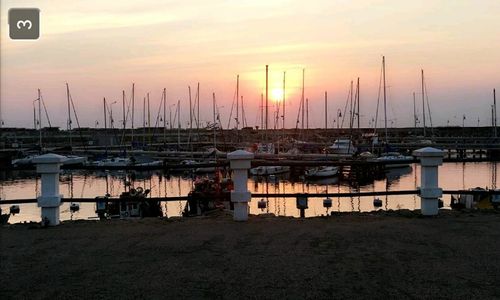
(342, 146)
(269, 170)
(24, 161)
(132, 203)
(70, 160)
(394, 160)
(322, 172)
(112, 162)
(75, 160)
(209, 194)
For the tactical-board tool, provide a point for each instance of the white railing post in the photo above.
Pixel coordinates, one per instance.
(430, 192)
(48, 165)
(240, 163)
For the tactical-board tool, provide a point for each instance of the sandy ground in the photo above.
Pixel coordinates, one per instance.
(378, 255)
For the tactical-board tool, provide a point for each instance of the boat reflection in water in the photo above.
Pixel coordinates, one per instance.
(323, 180)
(393, 174)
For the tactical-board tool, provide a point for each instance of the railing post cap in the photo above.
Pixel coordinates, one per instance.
(428, 152)
(49, 158)
(240, 155)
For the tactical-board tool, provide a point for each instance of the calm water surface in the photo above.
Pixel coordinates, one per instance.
(26, 185)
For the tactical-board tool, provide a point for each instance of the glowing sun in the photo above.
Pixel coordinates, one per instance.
(277, 94)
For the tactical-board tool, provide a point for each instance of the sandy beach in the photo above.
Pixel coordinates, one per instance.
(370, 255)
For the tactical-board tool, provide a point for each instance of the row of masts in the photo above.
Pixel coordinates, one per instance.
(194, 112)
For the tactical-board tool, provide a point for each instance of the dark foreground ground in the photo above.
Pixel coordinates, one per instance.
(382, 255)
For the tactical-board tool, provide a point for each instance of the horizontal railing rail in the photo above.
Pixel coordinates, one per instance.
(274, 195)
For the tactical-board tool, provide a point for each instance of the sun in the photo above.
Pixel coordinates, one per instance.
(277, 94)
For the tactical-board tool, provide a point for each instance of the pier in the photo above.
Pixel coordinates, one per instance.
(480, 140)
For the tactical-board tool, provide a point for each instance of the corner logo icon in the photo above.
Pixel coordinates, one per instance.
(24, 23)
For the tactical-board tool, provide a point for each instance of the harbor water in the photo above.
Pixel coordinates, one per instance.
(89, 184)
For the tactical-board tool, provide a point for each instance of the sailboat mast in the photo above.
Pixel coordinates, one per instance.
(164, 116)
(215, 126)
(144, 121)
(414, 113)
(198, 109)
(190, 111)
(307, 113)
(385, 98)
(495, 112)
(123, 110)
(261, 111)
(105, 124)
(40, 117)
(149, 122)
(34, 116)
(237, 103)
(284, 76)
(351, 112)
(358, 91)
(133, 112)
(242, 114)
(302, 100)
(178, 124)
(267, 97)
(69, 114)
(423, 101)
(326, 110)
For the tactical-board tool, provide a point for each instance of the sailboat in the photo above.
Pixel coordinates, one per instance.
(323, 171)
(70, 159)
(391, 158)
(111, 161)
(269, 147)
(343, 145)
(213, 151)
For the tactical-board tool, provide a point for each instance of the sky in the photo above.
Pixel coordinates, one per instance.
(101, 47)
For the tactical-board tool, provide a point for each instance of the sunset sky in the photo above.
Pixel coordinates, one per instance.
(101, 47)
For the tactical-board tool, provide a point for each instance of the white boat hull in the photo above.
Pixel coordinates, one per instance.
(322, 172)
(113, 162)
(392, 161)
(269, 170)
